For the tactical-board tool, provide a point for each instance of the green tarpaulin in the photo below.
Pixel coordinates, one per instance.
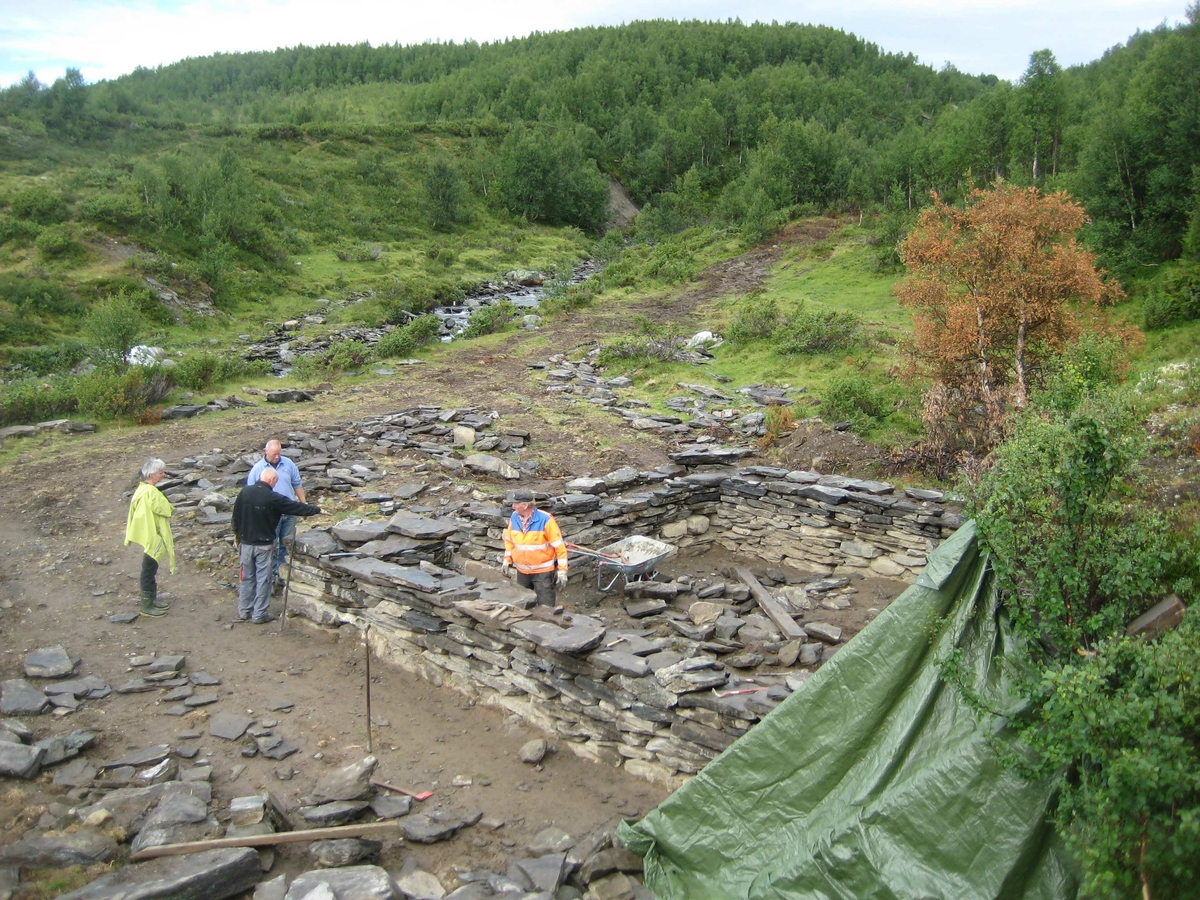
(875, 779)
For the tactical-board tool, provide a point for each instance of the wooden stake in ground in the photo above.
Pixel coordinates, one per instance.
(268, 840)
(287, 585)
(786, 624)
(367, 642)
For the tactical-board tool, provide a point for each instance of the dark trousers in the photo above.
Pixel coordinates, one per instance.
(149, 571)
(542, 584)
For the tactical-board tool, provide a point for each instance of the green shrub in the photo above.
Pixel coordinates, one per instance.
(490, 319)
(855, 398)
(112, 327)
(111, 209)
(50, 359)
(358, 252)
(201, 371)
(39, 296)
(126, 394)
(807, 331)
(38, 204)
(58, 240)
(1075, 552)
(757, 318)
(1120, 732)
(1093, 363)
(37, 399)
(11, 229)
(408, 339)
(16, 329)
(1175, 300)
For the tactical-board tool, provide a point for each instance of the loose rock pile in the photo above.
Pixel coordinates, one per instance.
(732, 414)
(161, 795)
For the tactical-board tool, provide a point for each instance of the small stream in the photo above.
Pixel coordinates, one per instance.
(526, 296)
(288, 341)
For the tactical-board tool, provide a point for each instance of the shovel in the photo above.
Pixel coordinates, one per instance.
(423, 795)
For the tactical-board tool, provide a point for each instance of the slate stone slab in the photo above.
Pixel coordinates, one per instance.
(620, 662)
(136, 686)
(823, 631)
(166, 664)
(178, 818)
(423, 829)
(639, 609)
(83, 848)
(63, 747)
(89, 688)
(317, 543)
(349, 883)
(391, 546)
(203, 679)
(337, 813)
(275, 747)
(343, 852)
(23, 732)
(359, 531)
(280, 704)
(351, 782)
(20, 761)
(148, 757)
(20, 698)
(49, 662)
(228, 725)
(388, 807)
(77, 773)
(545, 872)
(584, 634)
(210, 875)
(124, 618)
(200, 700)
(692, 675)
(415, 526)
(179, 693)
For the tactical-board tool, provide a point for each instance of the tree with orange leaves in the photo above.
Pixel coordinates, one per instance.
(996, 288)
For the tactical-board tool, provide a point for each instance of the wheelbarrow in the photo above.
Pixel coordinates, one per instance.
(630, 560)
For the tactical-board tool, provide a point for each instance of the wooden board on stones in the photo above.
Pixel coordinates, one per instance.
(775, 612)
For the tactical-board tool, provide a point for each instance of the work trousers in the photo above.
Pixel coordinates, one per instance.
(149, 572)
(283, 531)
(542, 584)
(254, 590)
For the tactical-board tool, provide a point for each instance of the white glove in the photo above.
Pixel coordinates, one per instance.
(561, 578)
(506, 568)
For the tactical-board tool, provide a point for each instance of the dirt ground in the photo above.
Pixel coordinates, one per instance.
(63, 571)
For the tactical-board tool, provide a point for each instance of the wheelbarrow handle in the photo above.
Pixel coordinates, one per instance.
(596, 553)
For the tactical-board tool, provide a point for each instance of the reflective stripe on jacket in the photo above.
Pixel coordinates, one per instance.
(535, 546)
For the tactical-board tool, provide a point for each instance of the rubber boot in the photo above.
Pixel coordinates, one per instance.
(159, 603)
(148, 607)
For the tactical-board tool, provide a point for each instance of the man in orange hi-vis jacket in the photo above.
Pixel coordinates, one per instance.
(533, 545)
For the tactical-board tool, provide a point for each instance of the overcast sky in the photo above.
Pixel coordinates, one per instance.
(107, 38)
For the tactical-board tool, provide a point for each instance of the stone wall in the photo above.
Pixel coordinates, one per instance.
(654, 695)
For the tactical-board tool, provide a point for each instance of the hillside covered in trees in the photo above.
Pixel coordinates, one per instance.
(229, 171)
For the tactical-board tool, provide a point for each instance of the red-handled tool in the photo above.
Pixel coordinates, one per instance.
(423, 795)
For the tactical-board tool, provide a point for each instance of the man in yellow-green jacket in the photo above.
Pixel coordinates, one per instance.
(149, 524)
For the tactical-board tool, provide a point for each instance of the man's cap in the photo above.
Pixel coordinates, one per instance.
(524, 495)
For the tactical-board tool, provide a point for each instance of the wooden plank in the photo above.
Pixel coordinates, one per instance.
(268, 840)
(1163, 617)
(786, 624)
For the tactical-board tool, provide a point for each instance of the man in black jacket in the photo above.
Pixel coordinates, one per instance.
(256, 515)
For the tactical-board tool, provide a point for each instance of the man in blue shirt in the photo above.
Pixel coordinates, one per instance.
(288, 486)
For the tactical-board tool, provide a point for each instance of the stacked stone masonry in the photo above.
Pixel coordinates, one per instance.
(650, 701)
